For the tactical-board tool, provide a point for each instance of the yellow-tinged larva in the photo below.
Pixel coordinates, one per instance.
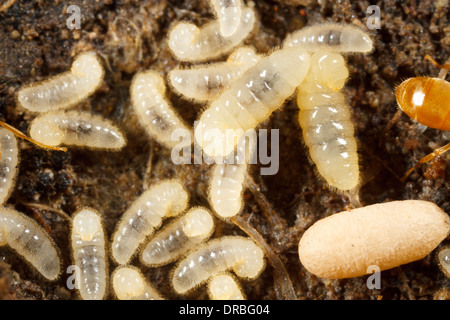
(204, 83)
(385, 235)
(326, 121)
(224, 286)
(130, 284)
(166, 199)
(443, 258)
(30, 241)
(88, 247)
(76, 128)
(154, 111)
(189, 43)
(180, 236)
(240, 254)
(330, 37)
(8, 163)
(250, 100)
(228, 14)
(66, 89)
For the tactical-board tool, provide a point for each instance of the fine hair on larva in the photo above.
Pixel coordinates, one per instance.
(443, 259)
(154, 111)
(30, 241)
(129, 283)
(228, 14)
(190, 43)
(76, 128)
(64, 90)
(178, 237)
(9, 159)
(205, 82)
(225, 286)
(238, 253)
(165, 199)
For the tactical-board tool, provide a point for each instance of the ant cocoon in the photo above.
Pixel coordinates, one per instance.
(9, 158)
(130, 284)
(228, 14)
(224, 287)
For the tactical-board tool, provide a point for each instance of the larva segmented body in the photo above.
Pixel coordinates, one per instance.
(228, 14)
(66, 89)
(224, 287)
(8, 163)
(30, 241)
(204, 83)
(166, 199)
(218, 255)
(178, 237)
(129, 284)
(154, 111)
(76, 128)
(443, 258)
(189, 43)
(88, 246)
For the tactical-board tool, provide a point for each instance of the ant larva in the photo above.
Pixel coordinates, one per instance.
(224, 286)
(9, 158)
(129, 284)
(443, 258)
(228, 14)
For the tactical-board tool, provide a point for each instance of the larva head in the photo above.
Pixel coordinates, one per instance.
(151, 80)
(198, 222)
(330, 68)
(86, 224)
(224, 287)
(253, 264)
(443, 258)
(46, 131)
(87, 64)
(244, 56)
(181, 38)
(355, 40)
(127, 283)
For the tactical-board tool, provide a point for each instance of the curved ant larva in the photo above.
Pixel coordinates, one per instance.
(154, 112)
(30, 241)
(189, 43)
(178, 237)
(204, 83)
(228, 14)
(9, 157)
(443, 258)
(232, 252)
(88, 245)
(130, 284)
(166, 199)
(76, 128)
(67, 89)
(224, 287)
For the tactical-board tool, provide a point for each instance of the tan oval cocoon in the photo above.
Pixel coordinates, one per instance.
(387, 235)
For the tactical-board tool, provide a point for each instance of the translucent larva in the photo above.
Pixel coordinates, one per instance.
(66, 89)
(229, 15)
(204, 83)
(88, 246)
(240, 254)
(8, 163)
(330, 37)
(224, 287)
(262, 89)
(189, 43)
(326, 121)
(443, 258)
(154, 111)
(76, 128)
(129, 284)
(30, 241)
(166, 199)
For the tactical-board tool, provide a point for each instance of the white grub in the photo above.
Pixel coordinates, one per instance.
(443, 258)
(330, 37)
(9, 158)
(88, 247)
(224, 286)
(129, 284)
(240, 254)
(189, 43)
(64, 90)
(154, 111)
(30, 241)
(228, 14)
(76, 128)
(166, 199)
(250, 100)
(206, 82)
(180, 236)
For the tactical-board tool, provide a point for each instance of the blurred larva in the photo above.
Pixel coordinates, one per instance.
(88, 246)
(154, 111)
(326, 121)
(8, 163)
(218, 255)
(30, 241)
(443, 258)
(76, 128)
(130, 284)
(166, 199)
(330, 37)
(178, 237)
(204, 83)
(66, 89)
(250, 100)
(189, 43)
(228, 14)
(224, 286)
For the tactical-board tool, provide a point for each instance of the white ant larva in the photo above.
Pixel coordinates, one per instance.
(76, 128)
(204, 83)
(67, 89)
(443, 258)
(129, 284)
(154, 111)
(178, 237)
(326, 121)
(189, 43)
(88, 245)
(240, 254)
(8, 162)
(30, 241)
(166, 199)
(224, 286)
(228, 14)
